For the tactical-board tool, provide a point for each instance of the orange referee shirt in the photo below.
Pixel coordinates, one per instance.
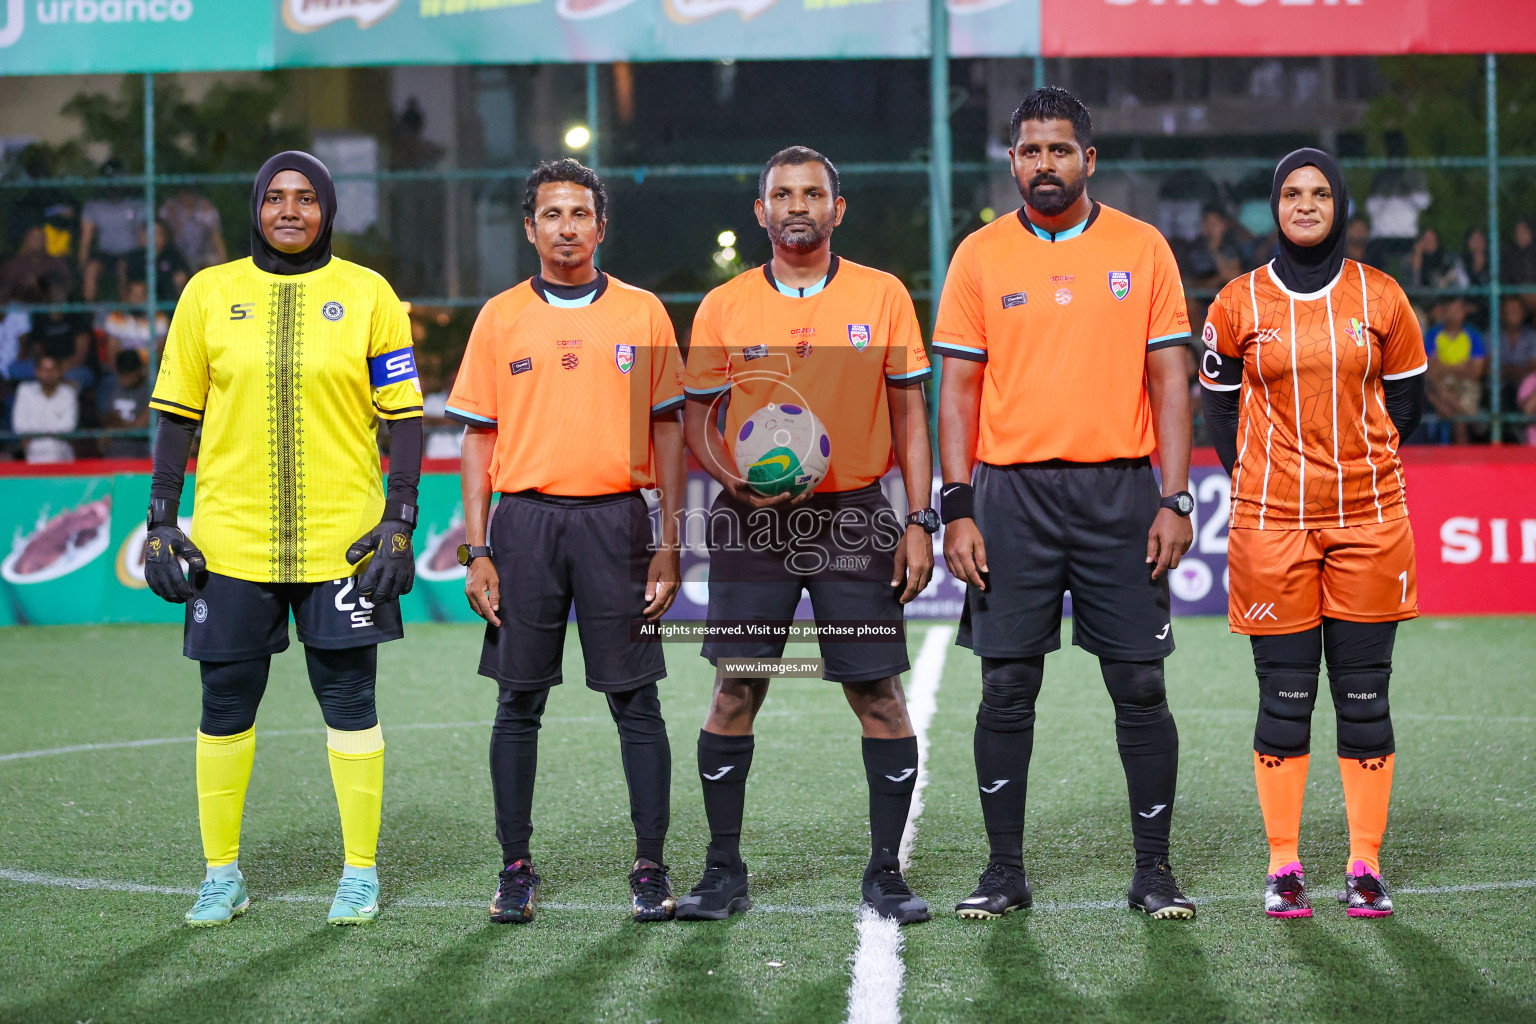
(1064, 324)
(1316, 447)
(832, 352)
(570, 390)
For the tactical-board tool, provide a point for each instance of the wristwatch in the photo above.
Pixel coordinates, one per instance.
(469, 552)
(1182, 503)
(927, 518)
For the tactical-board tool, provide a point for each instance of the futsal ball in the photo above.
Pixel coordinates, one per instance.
(783, 449)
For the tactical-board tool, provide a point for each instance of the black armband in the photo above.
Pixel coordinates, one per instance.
(1219, 372)
(957, 501)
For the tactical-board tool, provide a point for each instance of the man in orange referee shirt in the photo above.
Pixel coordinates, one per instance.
(811, 329)
(570, 392)
(1062, 330)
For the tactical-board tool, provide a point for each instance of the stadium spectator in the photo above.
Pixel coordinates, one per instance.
(125, 404)
(1215, 257)
(1398, 196)
(1357, 239)
(1474, 258)
(171, 268)
(1517, 342)
(1429, 265)
(128, 329)
(1518, 265)
(13, 333)
(26, 277)
(110, 227)
(1527, 405)
(1457, 357)
(195, 228)
(47, 405)
(63, 337)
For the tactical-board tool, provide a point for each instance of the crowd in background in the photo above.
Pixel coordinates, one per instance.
(62, 372)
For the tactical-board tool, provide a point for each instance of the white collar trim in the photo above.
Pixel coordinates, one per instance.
(1269, 268)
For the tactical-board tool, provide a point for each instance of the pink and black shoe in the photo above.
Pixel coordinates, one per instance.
(1365, 894)
(1285, 892)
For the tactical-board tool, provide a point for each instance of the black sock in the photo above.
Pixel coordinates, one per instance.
(1005, 739)
(514, 765)
(1149, 752)
(723, 765)
(647, 766)
(891, 768)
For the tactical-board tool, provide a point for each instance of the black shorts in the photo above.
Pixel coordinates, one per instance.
(233, 620)
(1053, 527)
(550, 552)
(840, 546)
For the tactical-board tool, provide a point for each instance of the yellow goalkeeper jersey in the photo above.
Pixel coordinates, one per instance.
(287, 375)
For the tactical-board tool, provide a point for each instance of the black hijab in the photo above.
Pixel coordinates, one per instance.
(1308, 269)
(267, 256)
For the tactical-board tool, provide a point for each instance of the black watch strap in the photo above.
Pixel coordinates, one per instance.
(1182, 503)
(927, 518)
(469, 552)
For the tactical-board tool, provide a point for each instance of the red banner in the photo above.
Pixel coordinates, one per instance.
(1474, 529)
(1250, 28)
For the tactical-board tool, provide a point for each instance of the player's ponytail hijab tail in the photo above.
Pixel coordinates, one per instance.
(1303, 268)
(267, 256)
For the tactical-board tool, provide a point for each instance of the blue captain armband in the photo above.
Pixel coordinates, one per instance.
(395, 367)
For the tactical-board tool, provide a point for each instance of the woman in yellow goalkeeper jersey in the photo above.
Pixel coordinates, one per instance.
(287, 359)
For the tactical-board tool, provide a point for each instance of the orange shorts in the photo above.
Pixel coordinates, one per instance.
(1286, 581)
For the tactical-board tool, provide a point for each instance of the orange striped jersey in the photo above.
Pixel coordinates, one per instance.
(288, 375)
(832, 350)
(1064, 323)
(1316, 447)
(570, 389)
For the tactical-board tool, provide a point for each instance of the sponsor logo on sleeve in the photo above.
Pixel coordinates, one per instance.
(1119, 283)
(1208, 335)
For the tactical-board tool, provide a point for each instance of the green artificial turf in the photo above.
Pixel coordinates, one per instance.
(125, 816)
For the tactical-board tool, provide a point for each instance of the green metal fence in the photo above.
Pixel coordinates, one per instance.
(938, 172)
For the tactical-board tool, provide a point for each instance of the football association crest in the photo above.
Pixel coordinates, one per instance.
(624, 357)
(1119, 283)
(1357, 332)
(858, 336)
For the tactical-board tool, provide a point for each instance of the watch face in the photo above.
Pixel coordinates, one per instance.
(1186, 503)
(463, 554)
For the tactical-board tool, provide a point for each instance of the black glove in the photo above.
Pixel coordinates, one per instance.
(163, 549)
(392, 570)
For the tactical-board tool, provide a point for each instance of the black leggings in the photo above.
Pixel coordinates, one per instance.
(343, 682)
(1359, 658)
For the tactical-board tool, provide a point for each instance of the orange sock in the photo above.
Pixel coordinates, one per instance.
(1282, 783)
(1367, 792)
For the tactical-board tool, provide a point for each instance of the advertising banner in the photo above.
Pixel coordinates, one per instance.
(54, 37)
(333, 32)
(73, 546)
(1252, 28)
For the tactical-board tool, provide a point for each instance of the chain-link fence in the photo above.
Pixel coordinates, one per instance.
(430, 164)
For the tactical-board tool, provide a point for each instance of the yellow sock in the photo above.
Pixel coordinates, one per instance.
(223, 773)
(357, 772)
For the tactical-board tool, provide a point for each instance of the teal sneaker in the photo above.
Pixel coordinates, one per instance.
(357, 897)
(220, 899)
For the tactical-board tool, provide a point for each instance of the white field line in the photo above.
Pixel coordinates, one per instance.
(874, 995)
(82, 748)
(19, 876)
